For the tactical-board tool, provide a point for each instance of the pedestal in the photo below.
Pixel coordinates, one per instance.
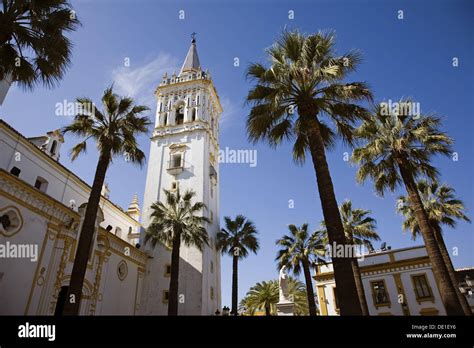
(285, 308)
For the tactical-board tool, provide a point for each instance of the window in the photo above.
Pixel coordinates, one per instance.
(193, 114)
(53, 147)
(118, 232)
(15, 171)
(212, 267)
(211, 190)
(379, 293)
(212, 293)
(174, 186)
(167, 270)
(165, 296)
(212, 216)
(421, 287)
(336, 301)
(41, 184)
(165, 120)
(176, 160)
(11, 221)
(180, 115)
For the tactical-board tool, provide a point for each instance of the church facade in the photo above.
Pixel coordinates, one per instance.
(42, 204)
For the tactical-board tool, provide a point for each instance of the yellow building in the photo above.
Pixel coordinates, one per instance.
(396, 282)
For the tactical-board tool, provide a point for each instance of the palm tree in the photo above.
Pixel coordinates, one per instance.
(302, 85)
(398, 150)
(257, 298)
(33, 48)
(174, 222)
(359, 228)
(297, 293)
(299, 250)
(114, 131)
(443, 208)
(263, 295)
(237, 239)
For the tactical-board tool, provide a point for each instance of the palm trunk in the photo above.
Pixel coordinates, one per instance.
(267, 310)
(345, 283)
(174, 276)
(309, 289)
(452, 273)
(73, 299)
(446, 288)
(235, 264)
(358, 281)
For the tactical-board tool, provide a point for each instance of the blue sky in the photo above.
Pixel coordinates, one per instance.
(408, 57)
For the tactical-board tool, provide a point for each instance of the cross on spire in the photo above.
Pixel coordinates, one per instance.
(193, 37)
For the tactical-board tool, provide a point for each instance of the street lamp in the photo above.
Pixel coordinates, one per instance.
(225, 311)
(217, 312)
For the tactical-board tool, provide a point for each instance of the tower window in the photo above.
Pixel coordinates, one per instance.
(212, 293)
(212, 267)
(193, 117)
(176, 160)
(165, 120)
(15, 171)
(180, 115)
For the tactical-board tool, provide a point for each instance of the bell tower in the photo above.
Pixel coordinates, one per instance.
(184, 154)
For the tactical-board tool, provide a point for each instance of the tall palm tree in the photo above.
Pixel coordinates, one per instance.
(299, 250)
(443, 208)
(177, 221)
(302, 85)
(113, 131)
(398, 149)
(258, 297)
(359, 228)
(237, 239)
(33, 48)
(263, 295)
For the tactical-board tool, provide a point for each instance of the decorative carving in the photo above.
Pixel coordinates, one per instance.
(122, 270)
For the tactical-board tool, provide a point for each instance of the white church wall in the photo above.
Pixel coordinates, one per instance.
(32, 287)
(63, 185)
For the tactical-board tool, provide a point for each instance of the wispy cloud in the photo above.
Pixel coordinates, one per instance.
(231, 112)
(140, 81)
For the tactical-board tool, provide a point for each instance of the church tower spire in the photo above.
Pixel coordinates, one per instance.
(191, 62)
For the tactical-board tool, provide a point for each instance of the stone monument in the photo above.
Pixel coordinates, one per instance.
(285, 305)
